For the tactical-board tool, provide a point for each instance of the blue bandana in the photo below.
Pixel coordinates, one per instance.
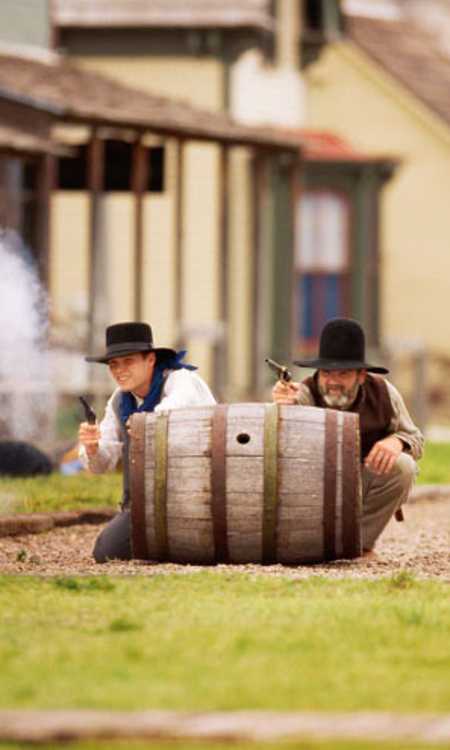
(128, 405)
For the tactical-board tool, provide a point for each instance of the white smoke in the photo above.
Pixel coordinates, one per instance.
(25, 392)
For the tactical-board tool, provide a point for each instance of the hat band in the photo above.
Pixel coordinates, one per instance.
(342, 360)
(129, 345)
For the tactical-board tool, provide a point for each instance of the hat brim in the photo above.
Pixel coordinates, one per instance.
(161, 353)
(331, 364)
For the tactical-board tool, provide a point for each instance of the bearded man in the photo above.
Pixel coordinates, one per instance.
(390, 441)
(148, 379)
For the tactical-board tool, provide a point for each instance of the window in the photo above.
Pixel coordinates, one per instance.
(322, 262)
(322, 21)
(118, 166)
(73, 171)
(322, 17)
(313, 15)
(157, 171)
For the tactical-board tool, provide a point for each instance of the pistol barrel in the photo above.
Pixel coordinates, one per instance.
(281, 370)
(89, 413)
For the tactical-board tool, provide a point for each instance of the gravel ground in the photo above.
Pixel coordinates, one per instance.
(420, 545)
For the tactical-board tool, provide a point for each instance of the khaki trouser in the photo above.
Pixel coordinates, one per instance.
(383, 495)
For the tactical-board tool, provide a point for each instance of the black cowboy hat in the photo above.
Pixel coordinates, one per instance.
(129, 338)
(342, 347)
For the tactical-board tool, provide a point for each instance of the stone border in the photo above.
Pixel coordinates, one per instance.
(35, 523)
(63, 726)
(429, 492)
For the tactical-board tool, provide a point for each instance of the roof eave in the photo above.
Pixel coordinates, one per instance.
(186, 131)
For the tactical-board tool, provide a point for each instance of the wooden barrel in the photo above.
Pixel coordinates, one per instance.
(245, 483)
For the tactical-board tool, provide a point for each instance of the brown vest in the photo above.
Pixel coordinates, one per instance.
(373, 405)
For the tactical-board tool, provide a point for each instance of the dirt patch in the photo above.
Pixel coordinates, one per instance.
(420, 545)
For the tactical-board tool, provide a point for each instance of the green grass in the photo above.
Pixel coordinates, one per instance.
(206, 641)
(435, 465)
(58, 492)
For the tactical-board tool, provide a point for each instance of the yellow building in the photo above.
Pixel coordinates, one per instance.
(240, 58)
(385, 88)
(211, 56)
(216, 246)
(118, 251)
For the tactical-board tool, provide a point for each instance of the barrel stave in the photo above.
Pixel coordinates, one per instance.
(190, 542)
(190, 432)
(300, 485)
(245, 423)
(245, 481)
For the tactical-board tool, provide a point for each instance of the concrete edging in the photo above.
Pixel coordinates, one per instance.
(429, 492)
(227, 726)
(35, 523)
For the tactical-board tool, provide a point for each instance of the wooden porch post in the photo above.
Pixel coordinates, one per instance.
(45, 183)
(95, 167)
(10, 192)
(179, 242)
(295, 195)
(260, 187)
(220, 368)
(139, 180)
(297, 179)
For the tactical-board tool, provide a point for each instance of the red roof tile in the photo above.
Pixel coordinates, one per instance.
(321, 145)
(325, 146)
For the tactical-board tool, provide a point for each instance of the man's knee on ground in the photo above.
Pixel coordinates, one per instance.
(99, 551)
(406, 469)
(113, 542)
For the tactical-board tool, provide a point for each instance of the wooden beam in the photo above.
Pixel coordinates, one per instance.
(259, 189)
(179, 242)
(54, 30)
(10, 199)
(296, 188)
(46, 168)
(139, 182)
(221, 344)
(95, 170)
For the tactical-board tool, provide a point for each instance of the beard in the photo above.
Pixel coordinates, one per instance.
(339, 397)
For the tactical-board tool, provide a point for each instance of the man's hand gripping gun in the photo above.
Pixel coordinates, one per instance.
(282, 371)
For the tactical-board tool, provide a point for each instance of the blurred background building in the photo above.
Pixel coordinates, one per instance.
(236, 174)
(385, 86)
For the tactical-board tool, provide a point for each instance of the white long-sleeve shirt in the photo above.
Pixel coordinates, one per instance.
(182, 388)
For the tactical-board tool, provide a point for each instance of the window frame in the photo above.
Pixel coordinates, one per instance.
(344, 273)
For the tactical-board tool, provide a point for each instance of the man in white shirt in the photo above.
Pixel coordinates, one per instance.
(148, 379)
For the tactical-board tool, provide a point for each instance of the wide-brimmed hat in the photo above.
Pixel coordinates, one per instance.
(342, 347)
(129, 338)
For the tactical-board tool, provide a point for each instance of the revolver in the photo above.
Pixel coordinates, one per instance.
(281, 370)
(89, 413)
